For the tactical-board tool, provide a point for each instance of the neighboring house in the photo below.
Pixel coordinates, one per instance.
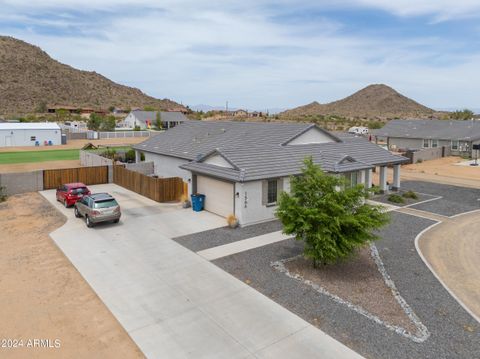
(82, 111)
(30, 134)
(148, 119)
(74, 126)
(242, 167)
(240, 113)
(459, 136)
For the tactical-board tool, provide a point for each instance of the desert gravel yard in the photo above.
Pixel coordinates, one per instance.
(453, 332)
(224, 235)
(455, 200)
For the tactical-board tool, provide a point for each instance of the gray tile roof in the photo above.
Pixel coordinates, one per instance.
(143, 116)
(256, 152)
(431, 129)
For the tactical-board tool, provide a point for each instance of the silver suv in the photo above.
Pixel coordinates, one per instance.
(98, 207)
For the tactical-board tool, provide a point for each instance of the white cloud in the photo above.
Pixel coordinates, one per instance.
(199, 52)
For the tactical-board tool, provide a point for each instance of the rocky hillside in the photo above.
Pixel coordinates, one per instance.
(29, 77)
(372, 102)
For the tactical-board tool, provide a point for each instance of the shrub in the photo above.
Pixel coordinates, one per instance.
(410, 194)
(419, 160)
(395, 198)
(130, 155)
(109, 153)
(3, 195)
(232, 221)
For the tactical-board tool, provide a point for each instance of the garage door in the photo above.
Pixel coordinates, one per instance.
(218, 195)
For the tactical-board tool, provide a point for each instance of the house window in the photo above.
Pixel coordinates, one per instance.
(33, 138)
(351, 179)
(454, 144)
(426, 143)
(272, 192)
(434, 143)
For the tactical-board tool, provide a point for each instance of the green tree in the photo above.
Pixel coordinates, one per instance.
(465, 114)
(158, 121)
(94, 122)
(332, 222)
(148, 108)
(108, 123)
(62, 114)
(374, 125)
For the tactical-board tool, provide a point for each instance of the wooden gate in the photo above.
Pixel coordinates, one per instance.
(87, 175)
(158, 189)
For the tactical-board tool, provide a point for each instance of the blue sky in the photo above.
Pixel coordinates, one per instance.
(261, 54)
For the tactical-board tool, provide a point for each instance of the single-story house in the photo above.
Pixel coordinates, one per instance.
(242, 167)
(30, 134)
(459, 136)
(148, 119)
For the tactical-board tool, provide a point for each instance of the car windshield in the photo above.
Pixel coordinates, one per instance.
(79, 190)
(105, 203)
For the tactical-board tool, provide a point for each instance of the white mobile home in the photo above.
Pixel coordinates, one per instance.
(30, 134)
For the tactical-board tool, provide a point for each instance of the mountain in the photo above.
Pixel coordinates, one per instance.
(30, 78)
(374, 101)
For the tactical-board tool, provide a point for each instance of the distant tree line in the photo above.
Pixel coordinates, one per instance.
(465, 114)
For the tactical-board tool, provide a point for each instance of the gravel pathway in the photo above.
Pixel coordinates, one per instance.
(455, 199)
(220, 236)
(454, 334)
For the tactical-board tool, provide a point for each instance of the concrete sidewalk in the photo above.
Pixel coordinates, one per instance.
(174, 303)
(243, 245)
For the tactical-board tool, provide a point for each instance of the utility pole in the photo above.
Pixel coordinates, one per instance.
(226, 106)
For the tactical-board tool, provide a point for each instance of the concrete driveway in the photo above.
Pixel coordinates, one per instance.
(174, 303)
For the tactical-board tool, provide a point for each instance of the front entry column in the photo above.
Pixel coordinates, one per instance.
(137, 156)
(383, 178)
(396, 177)
(368, 178)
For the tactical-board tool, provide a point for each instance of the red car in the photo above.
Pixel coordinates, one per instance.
(70, 193)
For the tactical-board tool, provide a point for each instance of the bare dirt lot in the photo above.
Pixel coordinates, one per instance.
(34, 166)
(453, 250)
(76, 144)
(442, 170)
(44, 297)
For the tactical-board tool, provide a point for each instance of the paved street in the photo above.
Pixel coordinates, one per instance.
(174, 303)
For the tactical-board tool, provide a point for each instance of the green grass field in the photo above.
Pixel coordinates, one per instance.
(7, 158)
(38, 156)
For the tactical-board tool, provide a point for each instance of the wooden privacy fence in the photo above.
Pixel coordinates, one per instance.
(158, 189)
(87, 175)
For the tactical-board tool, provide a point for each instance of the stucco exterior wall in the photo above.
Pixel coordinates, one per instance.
(404, 143)
(167, 166)
(314, 135)
(248, 204)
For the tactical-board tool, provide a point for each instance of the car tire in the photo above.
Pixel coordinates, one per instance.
(77, 213)
(116, 220)
(89, 223)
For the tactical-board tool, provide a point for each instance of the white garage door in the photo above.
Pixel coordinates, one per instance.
(218, 195)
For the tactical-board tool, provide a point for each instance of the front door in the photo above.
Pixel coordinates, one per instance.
(8, 141)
